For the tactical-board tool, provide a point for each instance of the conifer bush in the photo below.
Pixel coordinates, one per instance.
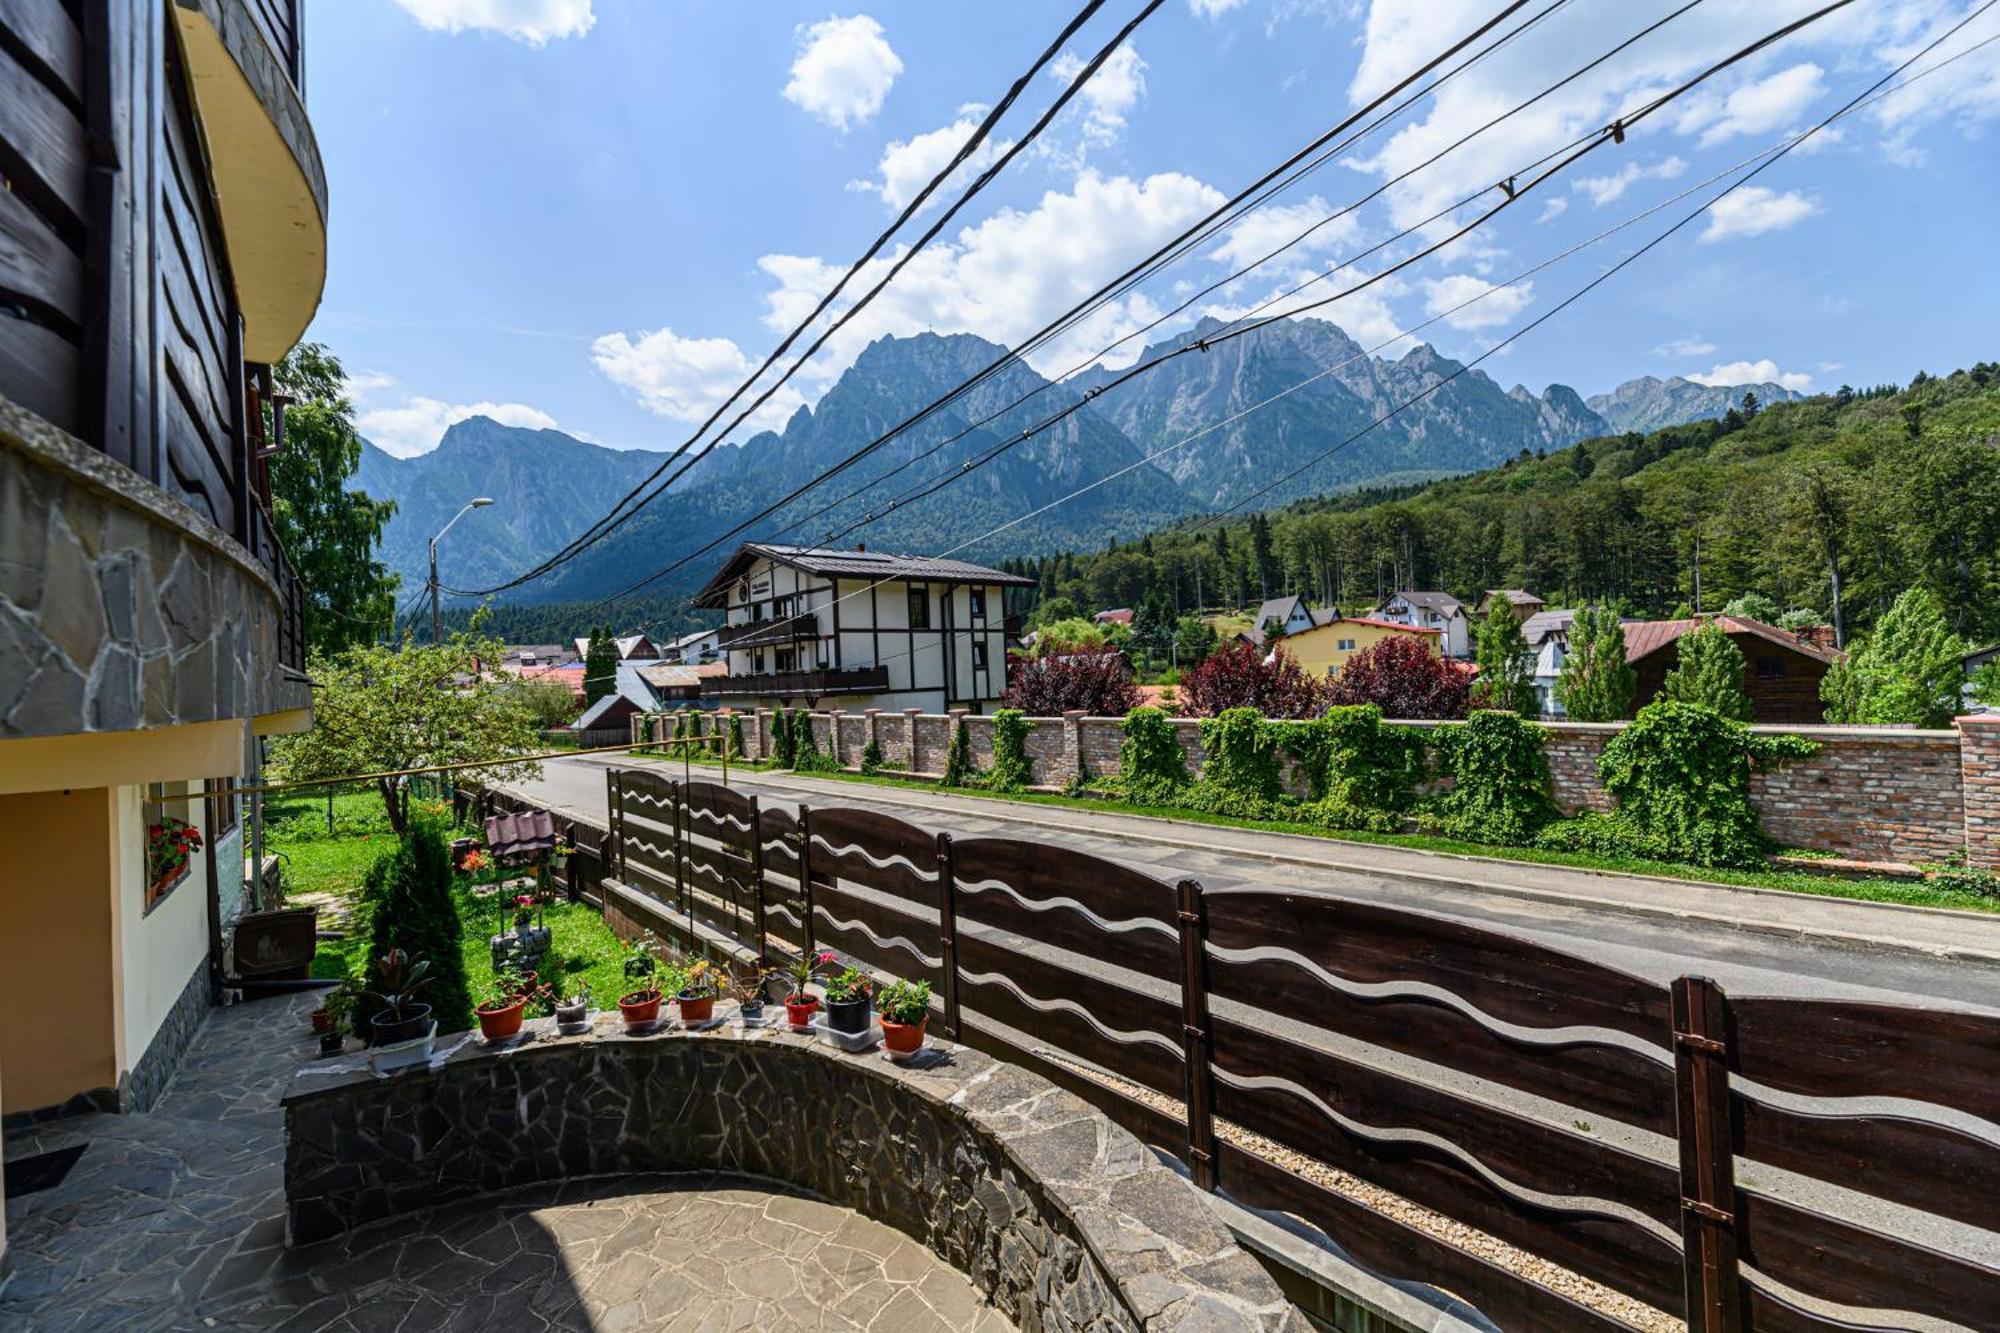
(410, 891)
(1010, 750)
(958, 767)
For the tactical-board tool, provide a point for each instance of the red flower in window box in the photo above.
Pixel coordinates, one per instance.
(169, 844)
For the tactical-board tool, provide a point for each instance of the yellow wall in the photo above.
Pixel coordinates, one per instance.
(58, 984)
(1318, 649)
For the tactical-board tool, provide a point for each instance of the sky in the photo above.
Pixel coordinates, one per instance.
(601, 215)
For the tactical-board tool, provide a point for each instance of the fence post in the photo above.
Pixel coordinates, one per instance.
(757, 875)
(677, 821)
(947, 877)
(1708, 1164)
(1195, 1040)
(805, 880)
(614, 798)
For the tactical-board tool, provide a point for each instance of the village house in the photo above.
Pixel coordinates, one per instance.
(1117, 616)
(154, 630)
(1432, 610)
(1547, 636)
(631, 648)
(1781, 670)
(859, 629)
(704, 645)
(1524, 603)
(1291, 614)
(1328, 646)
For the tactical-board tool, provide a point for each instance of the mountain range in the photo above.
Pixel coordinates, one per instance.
(547, 486)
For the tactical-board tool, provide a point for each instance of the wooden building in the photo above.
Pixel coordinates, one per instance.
(859, 629)
(1781, 670)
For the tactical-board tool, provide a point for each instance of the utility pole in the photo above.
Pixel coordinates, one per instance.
(437, 617)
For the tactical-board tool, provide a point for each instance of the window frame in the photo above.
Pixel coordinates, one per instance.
(918, 610)
(155, 891)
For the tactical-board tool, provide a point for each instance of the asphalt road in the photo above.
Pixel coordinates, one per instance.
(1745, 962)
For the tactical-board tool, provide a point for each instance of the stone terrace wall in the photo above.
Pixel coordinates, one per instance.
(1063, 1219)
(1873, 793)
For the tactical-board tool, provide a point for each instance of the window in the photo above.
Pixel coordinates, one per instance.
(171, 840)
(920, 607)
(1345, 645)
(979, 656)
(1770, 668)
(979, 603)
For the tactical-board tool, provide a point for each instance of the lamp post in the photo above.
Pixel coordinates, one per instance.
(437, 619)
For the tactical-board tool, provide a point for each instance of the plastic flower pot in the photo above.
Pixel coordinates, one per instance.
(572, 1013)
(695, 1009)
(640, 1007)
(848, 1015)
(752, 1011)
(329, 1042)
(386, 1030)
(903, 1038)
(799, 1009)
(497, 1024)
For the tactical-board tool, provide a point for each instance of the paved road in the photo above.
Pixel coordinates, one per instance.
(1653, 928)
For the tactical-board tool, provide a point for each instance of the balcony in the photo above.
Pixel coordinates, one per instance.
(767, 633)
(799, 684)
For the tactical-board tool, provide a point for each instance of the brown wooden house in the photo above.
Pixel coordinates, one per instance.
(1781, 670)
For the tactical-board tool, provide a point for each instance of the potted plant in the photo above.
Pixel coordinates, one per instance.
(573, 1010)
(337, 1011)
(800, 1002)
(700, 982)
(402, 1017)
(524, 913)
(749, 986)
(641, 955)
(499, 1011)
(560, 854)
(849, 998)
(906, 1007)
(640, 1007)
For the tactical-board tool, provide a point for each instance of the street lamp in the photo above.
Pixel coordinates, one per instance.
(437, 621)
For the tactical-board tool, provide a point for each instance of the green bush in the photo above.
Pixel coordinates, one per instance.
(871, 756)
(806, 754)
(958, 768)
(1500, 773)
(1152, 767)
(410, 894)
(1709, 674)
(781, 738)
(1681, 777)
(735, 742)
(1010, 750)
(1239, 757)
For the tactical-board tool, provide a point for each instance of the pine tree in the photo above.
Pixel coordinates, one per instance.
(1596, 684)
(1710, 673)
(1908, 673)
(1506, 667)
(600, 665)
(414, 911)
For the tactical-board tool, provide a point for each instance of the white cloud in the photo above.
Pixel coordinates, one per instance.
(1607, 189)
(683, 379)
(419, 423)
(1554, 207)
(908, 164)
(1754, 210)
(1761, 107)
(844, 69)
(1113, 91)
(1692, 345)
(535, 22)
(1258, 234)
(1753, 372)
(1442, 294)
(1209, 9)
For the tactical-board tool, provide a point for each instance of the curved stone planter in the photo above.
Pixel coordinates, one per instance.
(1060, 1217)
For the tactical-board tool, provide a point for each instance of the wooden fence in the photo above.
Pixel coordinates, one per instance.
(1241, 1008)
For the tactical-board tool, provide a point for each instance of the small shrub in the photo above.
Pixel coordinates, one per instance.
(781, 738)
(1965, 879)
(735, 741)
(1352, 762)
(806, 754)
(1152, 767)
(958, 769)
(871, 756)
(1010, 750)
(1240, 757)
(1500, 789)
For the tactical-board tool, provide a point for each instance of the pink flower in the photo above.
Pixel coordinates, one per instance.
(524, 900)
(825, 956)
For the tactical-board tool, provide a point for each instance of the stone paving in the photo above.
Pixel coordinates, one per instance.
(174, 1219)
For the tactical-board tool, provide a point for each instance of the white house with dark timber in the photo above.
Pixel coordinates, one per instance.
(811, 627)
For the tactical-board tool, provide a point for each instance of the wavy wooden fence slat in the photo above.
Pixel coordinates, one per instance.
(1005, 924)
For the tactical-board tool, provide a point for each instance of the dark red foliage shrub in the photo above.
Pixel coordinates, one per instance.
(1099, 682)
(1238, 676)
(1404, 678)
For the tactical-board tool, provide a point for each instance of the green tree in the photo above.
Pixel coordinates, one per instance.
(330, 532)
(551, 702)
(1986, 684)
(379, 709)
(1074, 635)
(1506, 668)
(1754, 606)
(1596, 683)
(1709, 673)
(1194, 640)
(1908, 672)
(600, 665)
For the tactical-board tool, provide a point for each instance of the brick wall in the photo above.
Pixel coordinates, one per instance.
(1871, 793)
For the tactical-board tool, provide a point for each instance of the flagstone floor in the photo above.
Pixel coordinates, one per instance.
(174, 1219)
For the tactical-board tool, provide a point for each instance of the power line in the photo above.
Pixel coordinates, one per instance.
(995, 366)
(618, 515)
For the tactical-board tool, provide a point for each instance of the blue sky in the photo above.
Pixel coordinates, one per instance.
(599, 214)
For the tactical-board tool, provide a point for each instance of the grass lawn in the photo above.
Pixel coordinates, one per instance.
(1882, 890)
(584, 952)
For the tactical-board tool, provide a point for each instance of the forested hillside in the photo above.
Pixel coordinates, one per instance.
(1880, 489)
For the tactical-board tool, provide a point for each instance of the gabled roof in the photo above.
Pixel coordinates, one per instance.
(1121, 616)
(1646, 637)
(605, 712)
(1335, 622)
(1441, 602)
(1514, 596)
(857, 564)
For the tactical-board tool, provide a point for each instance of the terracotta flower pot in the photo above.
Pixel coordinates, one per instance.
(696, 1009)
(322, 1021)
(640, 1007)
(903, 1038)
(499, 1024)
(799, 1009)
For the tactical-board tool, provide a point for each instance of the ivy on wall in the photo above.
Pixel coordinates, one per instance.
(1151, 765)
(806, 756)
(1500, 780)
(1010, 750)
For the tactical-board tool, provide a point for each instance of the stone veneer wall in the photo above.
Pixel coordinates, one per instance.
(1064, 1220)
(155, 1068)
(1874, 793)
(120, 607)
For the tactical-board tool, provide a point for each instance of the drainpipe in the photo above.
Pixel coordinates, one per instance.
(214, 910)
